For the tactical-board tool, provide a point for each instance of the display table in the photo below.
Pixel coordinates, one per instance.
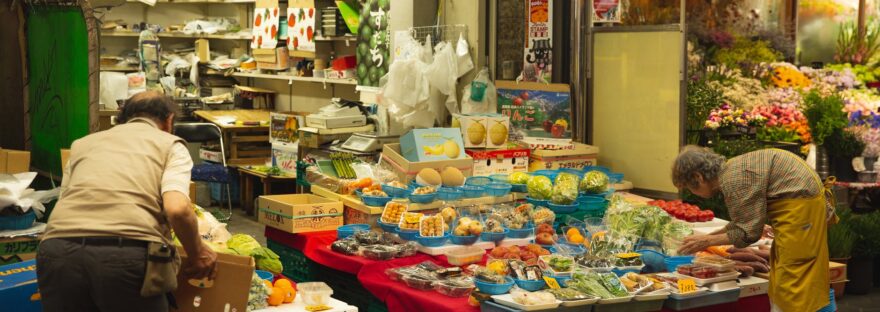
(245, 145)
(246, 178)
(399, 297)
(298, 305)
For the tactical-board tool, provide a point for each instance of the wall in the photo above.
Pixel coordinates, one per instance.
(12, 77)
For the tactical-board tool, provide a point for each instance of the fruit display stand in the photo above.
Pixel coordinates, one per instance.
(356, 212)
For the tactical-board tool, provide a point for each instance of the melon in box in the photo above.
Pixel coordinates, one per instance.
(580, 156)
(407, 170)
(503, 161)
(299, 213)
(432, 144)
(483, 130)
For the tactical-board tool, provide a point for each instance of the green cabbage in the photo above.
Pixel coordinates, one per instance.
(565, 191)
(540, 187)
(519, 178)
(265, 258)
(594, 182)
(243, 244)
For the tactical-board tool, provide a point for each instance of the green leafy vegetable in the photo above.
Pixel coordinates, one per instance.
(540, 187)
(565, 191)
(594, 182)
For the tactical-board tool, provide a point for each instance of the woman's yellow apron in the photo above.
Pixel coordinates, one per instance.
(799, 258)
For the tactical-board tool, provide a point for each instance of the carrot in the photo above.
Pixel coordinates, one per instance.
(719, 250)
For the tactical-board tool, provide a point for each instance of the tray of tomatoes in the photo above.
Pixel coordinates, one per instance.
(684, 211)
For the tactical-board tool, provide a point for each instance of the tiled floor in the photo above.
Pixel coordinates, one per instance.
(860, 303)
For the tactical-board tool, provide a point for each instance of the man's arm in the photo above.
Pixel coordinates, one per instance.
(200, 258)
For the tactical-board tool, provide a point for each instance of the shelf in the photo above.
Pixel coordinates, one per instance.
(337, 38)
(175, 35)
(295, 78)
(199, 1)
(124, 69)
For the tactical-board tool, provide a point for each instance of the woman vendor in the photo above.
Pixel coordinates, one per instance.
(764, 186)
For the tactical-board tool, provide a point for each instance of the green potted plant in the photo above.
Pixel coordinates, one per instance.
(865, 248)
(841, 238)
(824, 115)
(842, 146)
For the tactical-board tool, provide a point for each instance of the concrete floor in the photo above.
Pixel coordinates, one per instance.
(860, 303)
(242, 223)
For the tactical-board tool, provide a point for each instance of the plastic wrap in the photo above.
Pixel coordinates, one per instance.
(594, 182)
(565, 190)
(540, 187)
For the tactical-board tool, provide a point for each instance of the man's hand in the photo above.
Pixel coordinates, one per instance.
(201, 265)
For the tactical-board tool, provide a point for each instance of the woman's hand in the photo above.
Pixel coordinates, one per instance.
(695, 243)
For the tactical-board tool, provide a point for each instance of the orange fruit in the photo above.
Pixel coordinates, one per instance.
(276, 297)
(292, 296)
(268, 284)
(289, 292)
(571, 232)
(577, 238)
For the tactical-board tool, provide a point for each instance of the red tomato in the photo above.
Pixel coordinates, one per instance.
(691, 216)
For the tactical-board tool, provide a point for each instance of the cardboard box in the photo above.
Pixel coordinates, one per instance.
(315, 137)
(228, 292)
(18, 249)
(210, 155)
(482, 130)
(432, 144)
(327, 122)
(283, 127)
(581, 156)
(300, 213)
(339, 74)
(837, 271)
(65, 157)
(407, 170)
(284, 156)
(753, 286)
(274, 59)
(502, 161)
(18, 287)
(203, 50)
(13, 161)
(548, 144)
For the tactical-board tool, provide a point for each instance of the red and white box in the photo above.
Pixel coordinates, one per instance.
(500, 161)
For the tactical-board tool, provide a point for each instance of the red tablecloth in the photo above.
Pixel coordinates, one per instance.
(399, 297)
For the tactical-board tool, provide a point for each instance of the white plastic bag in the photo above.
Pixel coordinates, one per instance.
(463, 56)
(480, 96)
(114, 86)
(14, 191)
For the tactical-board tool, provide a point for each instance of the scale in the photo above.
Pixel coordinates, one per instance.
(369, 141)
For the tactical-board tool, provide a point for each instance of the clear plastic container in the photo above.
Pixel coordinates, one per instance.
(718, 263)
(394, 210)
(315, 293)
(465, 255)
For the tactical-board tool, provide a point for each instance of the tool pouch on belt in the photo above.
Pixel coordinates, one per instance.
(163, 263)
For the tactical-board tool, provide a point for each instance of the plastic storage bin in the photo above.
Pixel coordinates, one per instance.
(349, 230)
(465, 255)
(615, 178)
(500, 178)
(530, 285)
(315, 293)
(537, 202)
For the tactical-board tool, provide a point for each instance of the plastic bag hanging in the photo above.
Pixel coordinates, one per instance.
(480, 96)
(463, 56)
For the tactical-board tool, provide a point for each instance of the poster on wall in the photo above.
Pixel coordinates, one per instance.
(606, 11)
(301, 27)
(535, 109)
(539, 39)
(374, 46)
(265, 28)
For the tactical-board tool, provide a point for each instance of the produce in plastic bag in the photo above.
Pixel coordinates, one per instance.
(674, 234)
(257, 294)
(594, 182)
(519, 178)
(544, 216)
(565, 191)
(540, 187)
(345, 246)
(466, 226)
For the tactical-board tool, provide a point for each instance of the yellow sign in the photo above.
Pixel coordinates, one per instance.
(551, 282)
(317, 308)
(686, 286)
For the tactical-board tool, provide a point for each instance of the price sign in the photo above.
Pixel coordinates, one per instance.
(686, 286)
(551, 282)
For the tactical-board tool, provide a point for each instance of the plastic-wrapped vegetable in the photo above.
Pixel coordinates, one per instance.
(519, 178)
(594, 182)
(257, 294)
(565, 191)
(589, 283)
(674, 234)
(540, 187)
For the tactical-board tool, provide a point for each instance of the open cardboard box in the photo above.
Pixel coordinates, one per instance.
(299, 213)
(407, 170)
(228, 292)
(18, 287)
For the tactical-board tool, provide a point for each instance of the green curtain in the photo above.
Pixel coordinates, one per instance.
(58, 74)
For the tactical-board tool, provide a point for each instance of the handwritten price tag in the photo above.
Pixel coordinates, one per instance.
(686, 286)
(551, 282)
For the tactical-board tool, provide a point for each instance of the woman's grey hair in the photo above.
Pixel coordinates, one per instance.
(693, 162)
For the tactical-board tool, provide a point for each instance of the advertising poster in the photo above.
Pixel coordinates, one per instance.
(301, 29)
(265, 28)
(374, 42)
(606, 11)
(539, 41)
(535, 109)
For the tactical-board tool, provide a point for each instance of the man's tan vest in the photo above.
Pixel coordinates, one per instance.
(115, 185)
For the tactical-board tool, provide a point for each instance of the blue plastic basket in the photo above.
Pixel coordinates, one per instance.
(673, 262)
(501, 178)
(494, 289)
(615, 177)
(407, 234)
(494, 237)
(388, 227)
(521, 233)
(623, 271)
(374, 201)
(432, 241)
(395, 192)
(547, 173)
(654, 261)
(832, 304)
(537, 202)
(576, 172)
(530, 285)
(604, 170)
(266, 275)
(349, 230)
(449, 193)
(520, 188)
(463, 240)
(592, 203)
(562, 208)
(472, 191)
(561, 280)
(422, 198)
(19, 222)
(498, 189)
(477, 181)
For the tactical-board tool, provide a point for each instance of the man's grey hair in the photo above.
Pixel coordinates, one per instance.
(693, 162)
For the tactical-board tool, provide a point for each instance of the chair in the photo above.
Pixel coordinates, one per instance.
(207, 171)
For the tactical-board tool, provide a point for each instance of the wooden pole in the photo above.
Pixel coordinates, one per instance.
(861, 20)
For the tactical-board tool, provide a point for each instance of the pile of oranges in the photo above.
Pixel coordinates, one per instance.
(283, 291)
(574, 236)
